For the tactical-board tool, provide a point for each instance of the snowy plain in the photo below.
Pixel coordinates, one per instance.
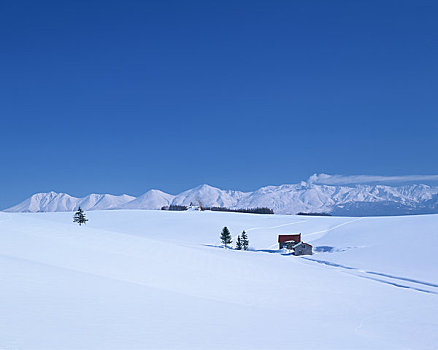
(140, 279)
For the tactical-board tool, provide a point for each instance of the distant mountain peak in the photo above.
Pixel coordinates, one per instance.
(206, 187)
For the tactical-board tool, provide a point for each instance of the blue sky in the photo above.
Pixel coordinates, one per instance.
(124, 96)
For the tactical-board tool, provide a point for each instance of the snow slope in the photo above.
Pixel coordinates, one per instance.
(135, 279)
(359, 200)
(103, 201)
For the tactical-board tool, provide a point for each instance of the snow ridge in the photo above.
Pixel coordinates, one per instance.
(52, 201)
(358, 200)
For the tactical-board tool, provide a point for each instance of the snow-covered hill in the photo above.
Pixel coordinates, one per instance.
(358, 200)
(148, 279)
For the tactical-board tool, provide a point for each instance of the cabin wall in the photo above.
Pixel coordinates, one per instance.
(303, 250)
(287, 245)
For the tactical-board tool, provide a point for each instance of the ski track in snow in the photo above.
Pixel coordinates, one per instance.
(333, 228)
(396, 281)
(307, 234)
(271, 227)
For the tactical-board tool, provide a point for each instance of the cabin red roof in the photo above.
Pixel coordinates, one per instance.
(286, 238)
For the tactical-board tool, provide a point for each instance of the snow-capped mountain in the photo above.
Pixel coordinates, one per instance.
(152, 199)
(104, 201)
(209, 196)
(358, 200)
(345, 200)
(52, 201)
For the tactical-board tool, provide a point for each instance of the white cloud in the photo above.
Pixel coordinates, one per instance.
(327, 179)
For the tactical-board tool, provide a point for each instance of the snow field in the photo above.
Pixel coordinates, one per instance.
(133, 279)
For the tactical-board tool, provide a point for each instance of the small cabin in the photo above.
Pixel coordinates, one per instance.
(302, 249)
(288, 241)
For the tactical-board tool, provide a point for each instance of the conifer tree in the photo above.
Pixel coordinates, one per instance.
(226, 236)
(238, 243)
(245, 241)
(79, 217)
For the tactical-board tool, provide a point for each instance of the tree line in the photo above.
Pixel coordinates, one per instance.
(259, 210)
(314, 214)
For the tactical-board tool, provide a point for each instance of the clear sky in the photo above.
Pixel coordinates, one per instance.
(124, 96)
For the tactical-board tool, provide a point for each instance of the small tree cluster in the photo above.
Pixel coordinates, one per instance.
(79, 217)
(242, 241)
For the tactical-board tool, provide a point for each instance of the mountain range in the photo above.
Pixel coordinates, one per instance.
(357, 200)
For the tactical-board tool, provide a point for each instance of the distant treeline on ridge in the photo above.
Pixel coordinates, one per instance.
(314, 214)
(261, 210)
